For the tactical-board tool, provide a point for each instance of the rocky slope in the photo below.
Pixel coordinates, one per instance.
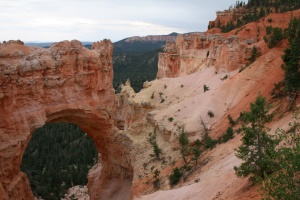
(194, 52)
(188, 105)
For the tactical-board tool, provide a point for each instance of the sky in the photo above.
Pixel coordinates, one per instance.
(95, 20)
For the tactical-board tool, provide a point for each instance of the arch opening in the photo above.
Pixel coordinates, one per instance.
(58, 157)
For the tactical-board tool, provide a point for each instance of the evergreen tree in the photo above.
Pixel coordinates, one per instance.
(184, 144)
(285, 183)
(258, 148)
(254, 54)
(196, 151)
(291, 57)
(156, 150)
(275, 37)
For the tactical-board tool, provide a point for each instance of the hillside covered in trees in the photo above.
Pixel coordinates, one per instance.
(58, 156)
(138, 68)
(253, 10)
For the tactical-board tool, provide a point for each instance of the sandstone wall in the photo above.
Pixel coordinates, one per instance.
(193, 52)
(66, 82)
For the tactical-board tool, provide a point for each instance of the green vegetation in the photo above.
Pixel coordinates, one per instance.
(136, 47)
(256, 9)
(175, 176)
(196, 151)
(258, 149)
(274, 38)
(209, 143)
(231, 121)
(156, 182)
(156, 150)
(285, 182)
(269, 30)
(224, 78)
(205, 88)
(136, 67)
(227, 136)
(184, 145)
(210, 114)
(58, 156)
(291, 58)
(254, 54)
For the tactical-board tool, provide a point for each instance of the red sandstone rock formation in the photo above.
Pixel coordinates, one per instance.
(223, 17)
(225, 52)
(194, 52)
(66, 82)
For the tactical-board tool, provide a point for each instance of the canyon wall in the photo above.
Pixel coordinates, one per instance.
(193, 52)
(66, 82)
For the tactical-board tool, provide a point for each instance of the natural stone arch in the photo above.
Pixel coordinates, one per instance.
(66, 82)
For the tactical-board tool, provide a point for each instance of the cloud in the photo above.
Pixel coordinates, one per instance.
(90, 20)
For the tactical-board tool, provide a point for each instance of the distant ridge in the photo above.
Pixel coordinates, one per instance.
(152, 38)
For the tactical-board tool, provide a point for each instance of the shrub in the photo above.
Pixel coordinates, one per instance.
(269, 30)
(273, 39)
(270, 20)
(152, 96)
(156, 182)
(196, 151)
(209, 143)
(175, 177)
(254, 54)
(184, 145)
(156, 150)
(171, 119)
(205, 88)
(211, 114)
(227, 136)
(231, 121)
(224, 78)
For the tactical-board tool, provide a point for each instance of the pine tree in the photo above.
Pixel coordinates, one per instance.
(258, 148)
(184, 144)
(156, 150)
(196, 151)
(285, 182)
(291, 58)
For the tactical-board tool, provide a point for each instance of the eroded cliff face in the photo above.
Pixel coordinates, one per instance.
(193, 52)
(66, 82)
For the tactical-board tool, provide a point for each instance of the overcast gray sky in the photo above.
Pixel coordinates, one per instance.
(94, 20)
